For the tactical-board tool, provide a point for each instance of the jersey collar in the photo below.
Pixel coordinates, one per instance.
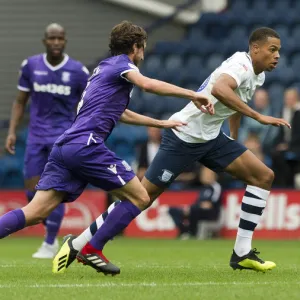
(55, 68)
(250, 60)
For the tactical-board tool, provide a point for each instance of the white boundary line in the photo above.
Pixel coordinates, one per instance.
(149, 284)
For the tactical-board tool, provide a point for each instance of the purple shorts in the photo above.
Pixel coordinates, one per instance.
(72, 166)
(36, 157)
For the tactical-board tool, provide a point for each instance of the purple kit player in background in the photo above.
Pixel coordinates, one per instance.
(79, 156)
(55, 83)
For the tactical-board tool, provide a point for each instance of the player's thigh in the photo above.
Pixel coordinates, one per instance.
(222, 153)
(43, 203)
(134, 192)
(172, 158)
(248, 168)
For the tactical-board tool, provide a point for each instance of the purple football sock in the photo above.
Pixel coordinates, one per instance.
(116, 221)
(53, 223)
(11, 222)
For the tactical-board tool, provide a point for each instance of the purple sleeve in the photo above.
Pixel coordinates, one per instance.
(82, 79)
(24, 78)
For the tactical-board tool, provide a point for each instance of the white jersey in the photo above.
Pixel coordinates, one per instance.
(203, 127)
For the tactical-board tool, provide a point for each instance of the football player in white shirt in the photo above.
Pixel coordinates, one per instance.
(229, 87)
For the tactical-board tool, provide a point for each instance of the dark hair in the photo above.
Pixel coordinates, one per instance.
(261, 34)
(124, 35)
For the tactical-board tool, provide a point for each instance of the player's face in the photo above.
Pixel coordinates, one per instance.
(268, 54)
(138, 54)
(55, 43)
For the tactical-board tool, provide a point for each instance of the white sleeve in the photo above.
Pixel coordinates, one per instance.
(238, 71)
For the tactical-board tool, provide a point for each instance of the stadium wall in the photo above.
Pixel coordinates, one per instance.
(88, 23)
(281, 218)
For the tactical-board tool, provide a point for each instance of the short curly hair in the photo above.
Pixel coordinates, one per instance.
(261, 34)
(124, 35)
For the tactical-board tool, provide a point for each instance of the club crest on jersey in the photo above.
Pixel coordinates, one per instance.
(166, 176)
(65, 76)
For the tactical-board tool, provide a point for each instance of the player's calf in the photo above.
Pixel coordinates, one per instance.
(43, 203)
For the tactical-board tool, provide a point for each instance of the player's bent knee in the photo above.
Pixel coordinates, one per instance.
(144, 201)
(264, 180)
(269, 177)
(153, 190)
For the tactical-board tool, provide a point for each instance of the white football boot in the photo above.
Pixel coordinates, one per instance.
(47, 250)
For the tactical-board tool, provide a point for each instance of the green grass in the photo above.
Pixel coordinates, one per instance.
(152, 269)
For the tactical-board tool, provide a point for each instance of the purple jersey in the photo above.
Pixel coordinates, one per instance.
(55, 92)
(104, 100)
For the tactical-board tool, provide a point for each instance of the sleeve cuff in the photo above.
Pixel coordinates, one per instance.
(24, 89)
(126, 71)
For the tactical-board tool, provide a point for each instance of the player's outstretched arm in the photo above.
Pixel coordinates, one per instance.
(16, 116)
(166, 89)
(223, 90)
(130, 117)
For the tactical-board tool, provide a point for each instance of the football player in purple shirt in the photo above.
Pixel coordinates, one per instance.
(54, 82)
(79, 156)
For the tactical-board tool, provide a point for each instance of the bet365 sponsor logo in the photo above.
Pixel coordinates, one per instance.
(279, 214)
(64, 90)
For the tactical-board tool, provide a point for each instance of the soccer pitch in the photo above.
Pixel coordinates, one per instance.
(152, 269)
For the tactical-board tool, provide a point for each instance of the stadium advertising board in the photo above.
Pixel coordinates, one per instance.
(281, 218)
(156, 221)
(79, 214)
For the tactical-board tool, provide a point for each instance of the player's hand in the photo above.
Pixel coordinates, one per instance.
(172, 124)
(267, 120)
(10, 143)
(204, 104)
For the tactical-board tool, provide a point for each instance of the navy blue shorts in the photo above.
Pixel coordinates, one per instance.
(175, 155)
